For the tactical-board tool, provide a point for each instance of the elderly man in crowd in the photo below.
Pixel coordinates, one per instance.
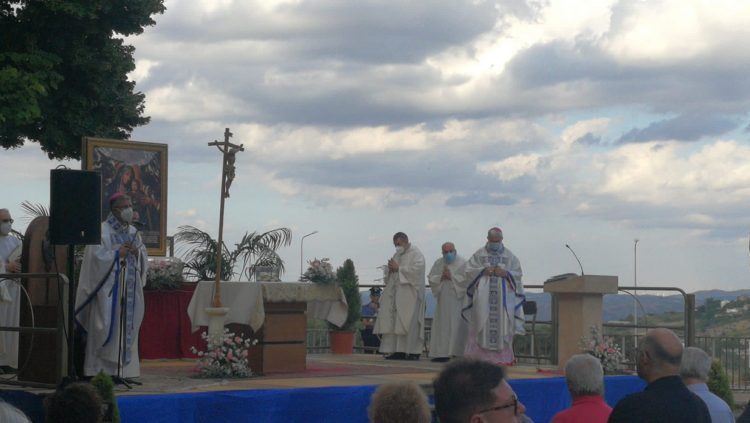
(666, 399)
(109, 300)
(694, 370)
(399, 402)
(475, 391)
(448, 333)
(400, 320)
(585, 379)
(75, 403)
(10, 298)
(495, 301)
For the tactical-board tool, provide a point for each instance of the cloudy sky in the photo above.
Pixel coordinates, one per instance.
(563, 122)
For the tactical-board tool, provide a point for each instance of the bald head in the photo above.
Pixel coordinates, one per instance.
(495, 235)
(665, 344)
(661, 354)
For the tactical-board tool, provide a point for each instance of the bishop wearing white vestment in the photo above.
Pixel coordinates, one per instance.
(10, 291)
(449, 329)
(495, 301)
(109, 299)
(400, 319)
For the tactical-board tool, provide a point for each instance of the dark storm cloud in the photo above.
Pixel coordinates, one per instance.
(687, 127)
(446, 168)
(347, 64)
(562, 75)
(589, 139)
(366, 31)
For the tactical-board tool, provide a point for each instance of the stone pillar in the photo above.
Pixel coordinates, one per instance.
(579, 307)
(216, 322)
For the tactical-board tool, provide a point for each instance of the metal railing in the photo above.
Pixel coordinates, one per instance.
(537, 346)
(734, 355)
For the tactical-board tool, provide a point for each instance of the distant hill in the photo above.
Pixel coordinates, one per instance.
(616, 307)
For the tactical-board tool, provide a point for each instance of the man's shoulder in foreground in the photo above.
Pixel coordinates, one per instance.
(719, 410)
(665, 400)
(588, 409)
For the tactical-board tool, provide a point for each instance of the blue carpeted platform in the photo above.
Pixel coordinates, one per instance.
(542, 397)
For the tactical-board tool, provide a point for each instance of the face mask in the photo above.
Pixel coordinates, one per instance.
(5, 228)
(399, 250)
(449, 257)
(127, 215)
(494, 246)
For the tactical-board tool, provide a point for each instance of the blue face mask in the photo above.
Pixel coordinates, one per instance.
(494, 246)
(450, 257)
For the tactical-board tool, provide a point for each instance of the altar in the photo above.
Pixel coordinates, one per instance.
(276, 313)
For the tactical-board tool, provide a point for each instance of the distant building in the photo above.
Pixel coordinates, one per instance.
(723, 303)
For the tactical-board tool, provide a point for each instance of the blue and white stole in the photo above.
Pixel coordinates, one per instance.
(120, 235)
(498, 301)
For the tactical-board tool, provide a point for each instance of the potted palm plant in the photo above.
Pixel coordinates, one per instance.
(254, 250)
(342, 338)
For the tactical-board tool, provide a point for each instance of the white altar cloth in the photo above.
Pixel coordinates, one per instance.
(245, 301)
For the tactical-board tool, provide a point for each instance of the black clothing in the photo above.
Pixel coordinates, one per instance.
(664, 400)
(745, 416)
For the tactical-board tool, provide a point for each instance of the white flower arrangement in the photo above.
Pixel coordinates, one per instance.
(164, 273)
(605, 349)
(224, 357)
(320, 271)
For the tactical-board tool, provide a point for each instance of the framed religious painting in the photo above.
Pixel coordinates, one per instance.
(139, 170)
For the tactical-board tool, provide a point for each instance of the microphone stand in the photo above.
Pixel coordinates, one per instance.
(576, 256)
(119, 379)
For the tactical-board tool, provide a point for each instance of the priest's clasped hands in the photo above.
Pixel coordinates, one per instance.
(494, 271)
(392, 265)
(127, 248)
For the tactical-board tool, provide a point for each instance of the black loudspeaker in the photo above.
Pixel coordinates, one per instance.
(75, 207)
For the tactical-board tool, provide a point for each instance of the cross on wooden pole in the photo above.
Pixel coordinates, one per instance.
(228, 151)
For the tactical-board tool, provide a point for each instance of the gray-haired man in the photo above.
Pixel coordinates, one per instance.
(585, 379)
(694, 370)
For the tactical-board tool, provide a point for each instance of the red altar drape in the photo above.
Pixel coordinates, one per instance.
(165, 331)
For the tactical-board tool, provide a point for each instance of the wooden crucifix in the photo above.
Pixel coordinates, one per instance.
(228, 151)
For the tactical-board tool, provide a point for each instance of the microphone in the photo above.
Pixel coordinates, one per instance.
(574, 255)
(138, 224)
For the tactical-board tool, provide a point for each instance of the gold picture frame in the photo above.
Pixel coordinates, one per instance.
(138, 169)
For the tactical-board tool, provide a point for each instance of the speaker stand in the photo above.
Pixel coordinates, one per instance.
(71, 312)
(125, 381)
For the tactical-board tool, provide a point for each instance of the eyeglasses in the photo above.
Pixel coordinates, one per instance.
(513, 404)
(7, 221)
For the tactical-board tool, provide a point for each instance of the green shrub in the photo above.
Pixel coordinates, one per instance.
(105, 386)
(718, 383)
(348, 280)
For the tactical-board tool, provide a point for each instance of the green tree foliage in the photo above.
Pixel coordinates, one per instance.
(718, 383)
(349, 282)
(63, 71)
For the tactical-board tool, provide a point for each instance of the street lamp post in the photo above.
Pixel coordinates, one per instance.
(635, 291)
(301, 245)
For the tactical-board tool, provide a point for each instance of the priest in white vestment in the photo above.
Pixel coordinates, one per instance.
(494, 301)
(449, 329)
(10, 292)
(109, 299)
(400, 320)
